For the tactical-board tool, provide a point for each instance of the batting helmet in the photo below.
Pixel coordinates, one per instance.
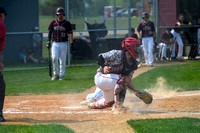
(60, 10)
(145, 15)
(2, 10)
(131, 44)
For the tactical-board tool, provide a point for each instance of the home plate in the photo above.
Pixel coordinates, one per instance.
(72, 107)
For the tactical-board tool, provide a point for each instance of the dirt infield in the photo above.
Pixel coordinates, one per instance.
(65, 109)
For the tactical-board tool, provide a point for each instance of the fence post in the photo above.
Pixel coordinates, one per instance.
(67, 17)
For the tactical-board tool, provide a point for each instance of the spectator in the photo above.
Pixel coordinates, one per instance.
(31, 56)
(132, 34)
(166, 42)
(148, 36)
(37, 43)
(22, 55)
(176, 33)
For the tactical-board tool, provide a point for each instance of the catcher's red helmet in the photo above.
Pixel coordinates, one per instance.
(131, 44)
(60, 10)
(145, 15)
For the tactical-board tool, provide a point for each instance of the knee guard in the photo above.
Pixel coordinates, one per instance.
(120, 90)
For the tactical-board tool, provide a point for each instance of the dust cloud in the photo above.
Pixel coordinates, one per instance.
(162, 89)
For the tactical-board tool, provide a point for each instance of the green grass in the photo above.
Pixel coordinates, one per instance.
(170, 125)
(185, 77)
(51, 128)
(76, 80)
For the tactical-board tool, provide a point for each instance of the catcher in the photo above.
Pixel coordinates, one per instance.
(115, 74)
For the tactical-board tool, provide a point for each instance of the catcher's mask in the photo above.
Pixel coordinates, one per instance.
(130, 44)
(60, 10)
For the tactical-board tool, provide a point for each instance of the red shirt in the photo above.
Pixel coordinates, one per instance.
(2, 36)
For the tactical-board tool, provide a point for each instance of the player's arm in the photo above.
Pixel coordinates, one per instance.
(71, 38)
(132, 87)
(101, 61)
(138, 32)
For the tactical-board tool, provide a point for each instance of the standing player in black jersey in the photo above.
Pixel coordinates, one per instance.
(60, 28)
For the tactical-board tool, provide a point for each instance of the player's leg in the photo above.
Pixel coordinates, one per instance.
(120, 90)
(98, 94)
(62, 58)
(100, 104)
(2, 96)
(106, 82)
(150, 50)
(174, 44)
(145, 49)
(180, 46)
(55, 53)
(107, 101)
(163, 50)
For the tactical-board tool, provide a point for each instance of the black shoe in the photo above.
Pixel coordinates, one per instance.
(2, 118)
(164, 58)
(173, 58)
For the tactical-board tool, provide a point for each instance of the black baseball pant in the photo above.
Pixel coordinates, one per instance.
(2, 91)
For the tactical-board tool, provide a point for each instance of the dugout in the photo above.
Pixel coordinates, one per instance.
(107, 44)
(23, 16)
(168, 12)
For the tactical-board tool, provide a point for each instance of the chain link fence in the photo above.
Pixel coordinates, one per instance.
(93, 32)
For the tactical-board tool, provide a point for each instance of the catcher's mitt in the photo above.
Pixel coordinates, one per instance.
(144, 96)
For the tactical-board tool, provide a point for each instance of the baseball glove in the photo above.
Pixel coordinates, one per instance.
(144, 96)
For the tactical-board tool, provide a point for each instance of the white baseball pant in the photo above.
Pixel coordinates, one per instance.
(59, 53)
(163, 48)
(98, 94)
(178, 39)
(108, 83)
(148, 49)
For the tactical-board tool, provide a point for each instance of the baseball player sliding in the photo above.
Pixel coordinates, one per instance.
(115, 74)
(60, 28)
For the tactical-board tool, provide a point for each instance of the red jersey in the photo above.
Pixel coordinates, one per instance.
(2, 36)
(60, 30)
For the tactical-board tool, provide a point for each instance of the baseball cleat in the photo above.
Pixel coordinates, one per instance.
(55, 77)
(2, 118)
(61, 78)
(164, 58)
(87, 101)
(91, 105)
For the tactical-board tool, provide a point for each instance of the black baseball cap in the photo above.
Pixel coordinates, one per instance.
(2, 10)
(132, 30)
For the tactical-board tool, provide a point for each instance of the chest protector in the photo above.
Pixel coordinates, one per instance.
(128, 66)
